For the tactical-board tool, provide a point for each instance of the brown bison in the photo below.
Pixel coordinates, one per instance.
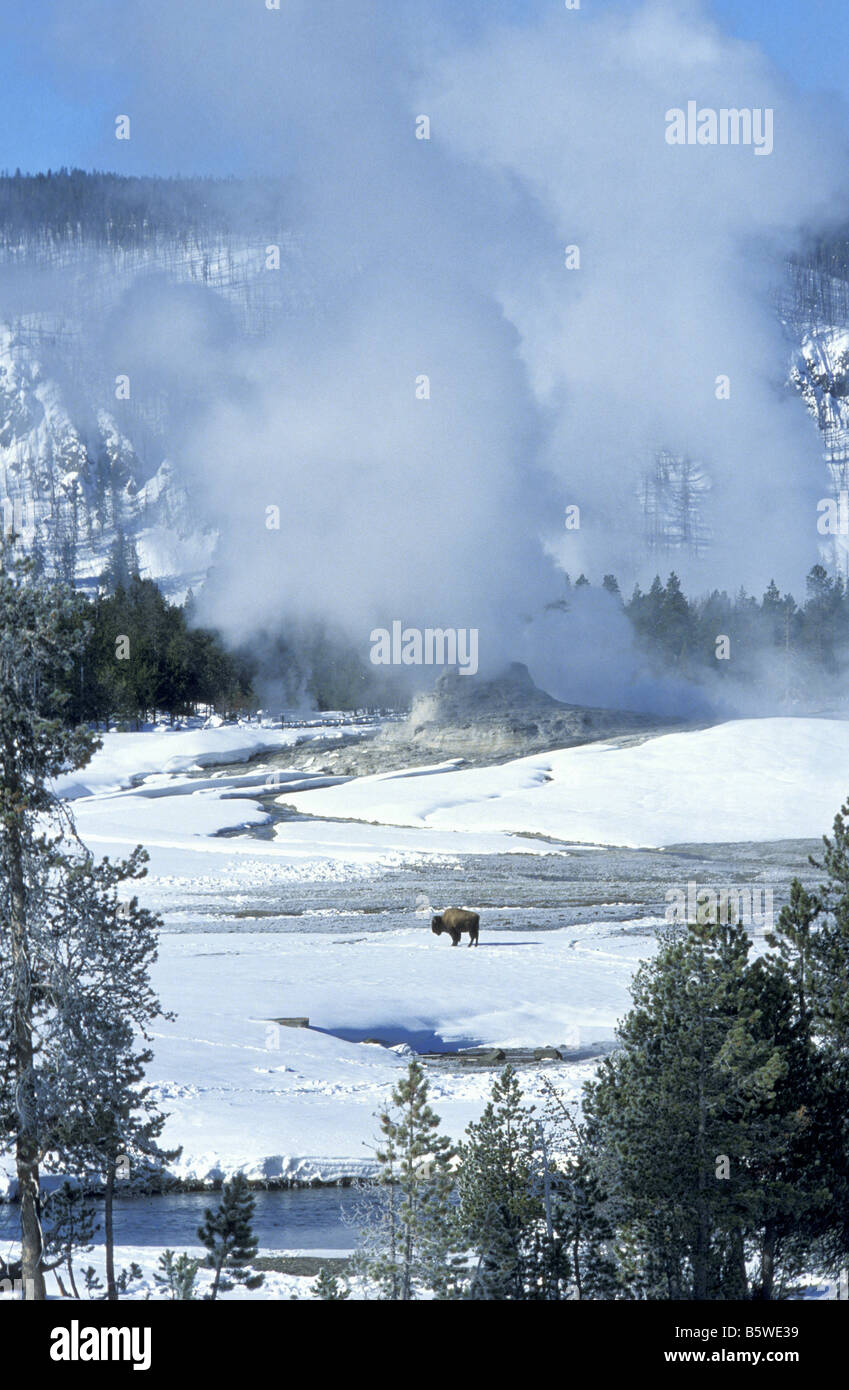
(455, 921)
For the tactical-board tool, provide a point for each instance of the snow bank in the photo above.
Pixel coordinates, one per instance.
(756, 779)
(128, 757)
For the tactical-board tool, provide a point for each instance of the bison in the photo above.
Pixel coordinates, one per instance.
(455, 921)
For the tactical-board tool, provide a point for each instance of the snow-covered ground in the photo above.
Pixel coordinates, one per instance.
(275, 1287)
(126, 759)
(749, 779)
(243, 1092)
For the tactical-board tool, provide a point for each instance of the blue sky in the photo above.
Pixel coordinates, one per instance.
(50, 119)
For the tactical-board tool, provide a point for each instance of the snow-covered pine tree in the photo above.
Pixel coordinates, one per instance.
(103, 949)
(506, 1210)
(408, 1237)
(227, 1233)
(328, 1289)
(42, 630)
(74, 986)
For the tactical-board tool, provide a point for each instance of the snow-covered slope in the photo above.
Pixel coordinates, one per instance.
(753, 779)
(821, 373)
(82, 460)
(70, 484)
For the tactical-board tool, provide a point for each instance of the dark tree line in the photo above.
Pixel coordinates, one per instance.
(799, 647)
(114, 210)
(142, 655)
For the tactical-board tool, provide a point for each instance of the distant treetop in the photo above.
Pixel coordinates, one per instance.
(114, 210)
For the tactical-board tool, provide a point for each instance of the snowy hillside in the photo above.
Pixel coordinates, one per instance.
(82, 461)
(71, 488)
(821, 373)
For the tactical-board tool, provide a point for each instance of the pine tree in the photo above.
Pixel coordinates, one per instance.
(701, 1122)
(831, 940)
(68, 1222)
(501, 1206)
(74, 985)
(611, 586)
(328, 1289)
(794, 941)
(108, 1120)
(583, 1206)
(41, 632)
(177, 1274)
(821, 949)
(228, 1236)
(408, 1243)
(122, 566)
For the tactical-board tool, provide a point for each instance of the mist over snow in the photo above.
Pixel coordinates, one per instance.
(444, 257)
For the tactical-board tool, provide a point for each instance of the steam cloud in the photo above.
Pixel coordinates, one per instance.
(445, 257)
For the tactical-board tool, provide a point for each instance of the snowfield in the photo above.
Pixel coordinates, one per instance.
(125, 759)
(279, 1102)
(749, 779)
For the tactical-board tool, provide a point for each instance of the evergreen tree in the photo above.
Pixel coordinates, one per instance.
(73, 969)
(41, 632)
(328, 1289)
(501, 1205)
(795, 944)
(611, 585)
(228, 1236)
(68, 1222)
(820, 950)
(408, 1243)
(122, 566)
(701, 1124)
(109, 1121)
(583, 1207)
(177, 1274)
(831, 940)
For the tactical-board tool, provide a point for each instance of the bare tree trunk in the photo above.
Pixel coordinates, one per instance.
(26, 1138)
(700, 1254)
(108, 1232)
(768, 1264)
